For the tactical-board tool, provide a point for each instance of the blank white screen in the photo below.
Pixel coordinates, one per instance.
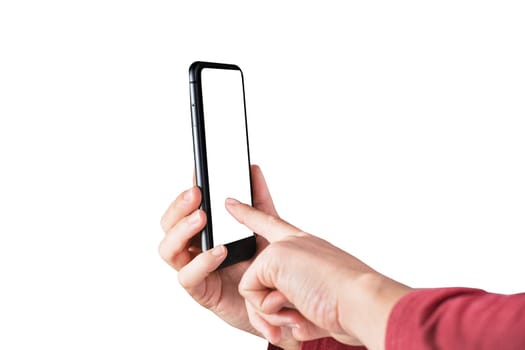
(227, 149)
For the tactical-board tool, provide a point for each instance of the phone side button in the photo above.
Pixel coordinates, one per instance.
(192, 96)
(193, 113)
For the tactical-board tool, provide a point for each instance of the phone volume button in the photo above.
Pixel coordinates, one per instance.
(192, 96)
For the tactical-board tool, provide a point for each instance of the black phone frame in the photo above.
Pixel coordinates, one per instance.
(243, 249)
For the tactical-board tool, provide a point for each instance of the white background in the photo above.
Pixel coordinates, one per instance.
(393, 129)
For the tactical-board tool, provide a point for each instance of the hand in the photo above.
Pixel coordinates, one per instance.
(215, 290)
(315, 288)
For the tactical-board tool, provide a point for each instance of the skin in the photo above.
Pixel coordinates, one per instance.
(317, 289)
(299, 287)
(215, 290)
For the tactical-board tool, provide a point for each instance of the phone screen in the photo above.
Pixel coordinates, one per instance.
(227, 149)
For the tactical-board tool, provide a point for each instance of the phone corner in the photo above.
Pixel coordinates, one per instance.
(195, 69)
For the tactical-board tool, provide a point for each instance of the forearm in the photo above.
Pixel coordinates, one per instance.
(365, 306)
(457, 318)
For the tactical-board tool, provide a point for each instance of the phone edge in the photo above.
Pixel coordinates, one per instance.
(243, 249)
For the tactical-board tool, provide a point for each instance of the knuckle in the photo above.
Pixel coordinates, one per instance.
(242, 288)
(168, 248)
(164, 220)
(163, 251)
(301, 335)
(183, 281)
(162, 223)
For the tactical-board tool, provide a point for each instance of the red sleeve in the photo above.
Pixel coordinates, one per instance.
(322, 344)
(457, 318)
(328, 344)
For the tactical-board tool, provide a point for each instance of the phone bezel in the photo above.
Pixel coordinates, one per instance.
(242, 249)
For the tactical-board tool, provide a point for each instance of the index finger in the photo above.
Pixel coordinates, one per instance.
(270, 227)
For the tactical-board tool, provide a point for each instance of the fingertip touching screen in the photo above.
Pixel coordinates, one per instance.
(227, 149)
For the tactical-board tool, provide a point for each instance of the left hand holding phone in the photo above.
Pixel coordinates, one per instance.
(216, 290)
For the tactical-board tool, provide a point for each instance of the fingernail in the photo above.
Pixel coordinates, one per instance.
(232, 201)
(188, 195)
(218, 251)
(194, 217)
(295, 325)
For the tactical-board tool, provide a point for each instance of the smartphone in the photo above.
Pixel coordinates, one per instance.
(221, 153)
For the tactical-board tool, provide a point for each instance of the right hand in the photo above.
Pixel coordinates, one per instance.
(214, 290)
(307, 283)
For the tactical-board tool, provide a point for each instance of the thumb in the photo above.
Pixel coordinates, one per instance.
(270, 227)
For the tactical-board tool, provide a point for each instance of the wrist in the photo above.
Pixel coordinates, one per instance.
(365, 306)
